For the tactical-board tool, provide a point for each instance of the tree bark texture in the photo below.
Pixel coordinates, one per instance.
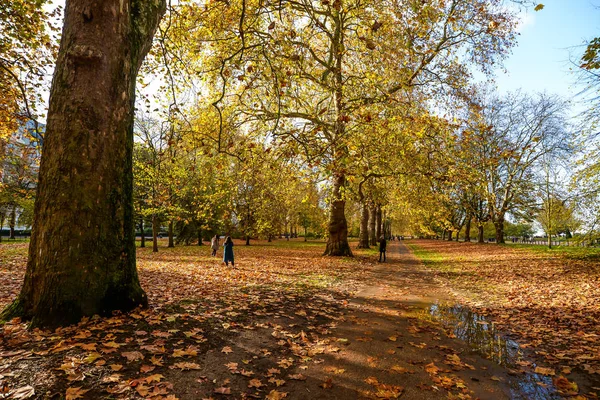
(337, 243)
(247, 240)
(499, 225)
(143, 238)
(372, 222)
(363, 242)
(480, 234)
(82, 250)
(171, 241)
(449, 235)
(379, 222)
(468, 230)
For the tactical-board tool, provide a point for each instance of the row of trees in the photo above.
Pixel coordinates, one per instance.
(255, 115)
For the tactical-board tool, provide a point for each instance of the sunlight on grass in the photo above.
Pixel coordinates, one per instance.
(428, 257)
(574, 252)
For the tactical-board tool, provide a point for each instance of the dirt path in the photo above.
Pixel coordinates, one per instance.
(389, 343)
(380, 347)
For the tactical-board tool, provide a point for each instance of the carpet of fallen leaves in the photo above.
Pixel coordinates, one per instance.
(196, 305)
(289, 323)
(548, 301)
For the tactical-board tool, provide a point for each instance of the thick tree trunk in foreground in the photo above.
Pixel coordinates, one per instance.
(143, 238)
(372, 222)
(363, 242)
(171, 241)
(337, 243)
(82, 249)
(247, 240)
(444, 234)
(449, 236)
(199, 232)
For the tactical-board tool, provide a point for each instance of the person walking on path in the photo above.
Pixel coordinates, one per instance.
(214, 245)
(382, 246)
(228, 251)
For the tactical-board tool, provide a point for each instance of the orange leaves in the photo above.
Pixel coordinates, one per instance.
(544, 371)
(186, 366)
(565, 387)
(384, 391)
(132, 355)
(75, 393)
(276, 395)
(191, 351)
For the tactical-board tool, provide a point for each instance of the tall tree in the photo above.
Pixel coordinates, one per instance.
(313, 84)
(82, 250)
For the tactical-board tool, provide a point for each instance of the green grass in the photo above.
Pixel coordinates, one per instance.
(428, 257)
(8, 241)
(574, 252)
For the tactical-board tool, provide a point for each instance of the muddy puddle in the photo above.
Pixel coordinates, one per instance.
(483, 338)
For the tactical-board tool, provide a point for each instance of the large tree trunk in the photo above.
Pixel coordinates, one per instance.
(337, 243)
(247, 240)
(372, 223)
(468, 230)
(199, 233)
(143, 238)
(82, 250)
(13, 221)
(363, 242)
(449, 235)
(480, 234)
(499, 225)
(378, 223)
(171, 241)
(155, 234)
(305, 233)
(444, 234)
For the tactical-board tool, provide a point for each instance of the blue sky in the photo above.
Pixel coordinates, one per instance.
(548, 38)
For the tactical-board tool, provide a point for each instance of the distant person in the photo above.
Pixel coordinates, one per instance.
(382, 246)
(228, 251)
(214, 245)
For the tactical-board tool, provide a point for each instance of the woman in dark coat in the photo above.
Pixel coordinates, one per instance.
(228, 251)
(382, 247)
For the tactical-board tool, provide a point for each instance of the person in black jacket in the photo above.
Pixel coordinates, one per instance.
(382, 246)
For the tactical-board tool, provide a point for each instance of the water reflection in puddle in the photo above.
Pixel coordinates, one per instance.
(483, 337)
